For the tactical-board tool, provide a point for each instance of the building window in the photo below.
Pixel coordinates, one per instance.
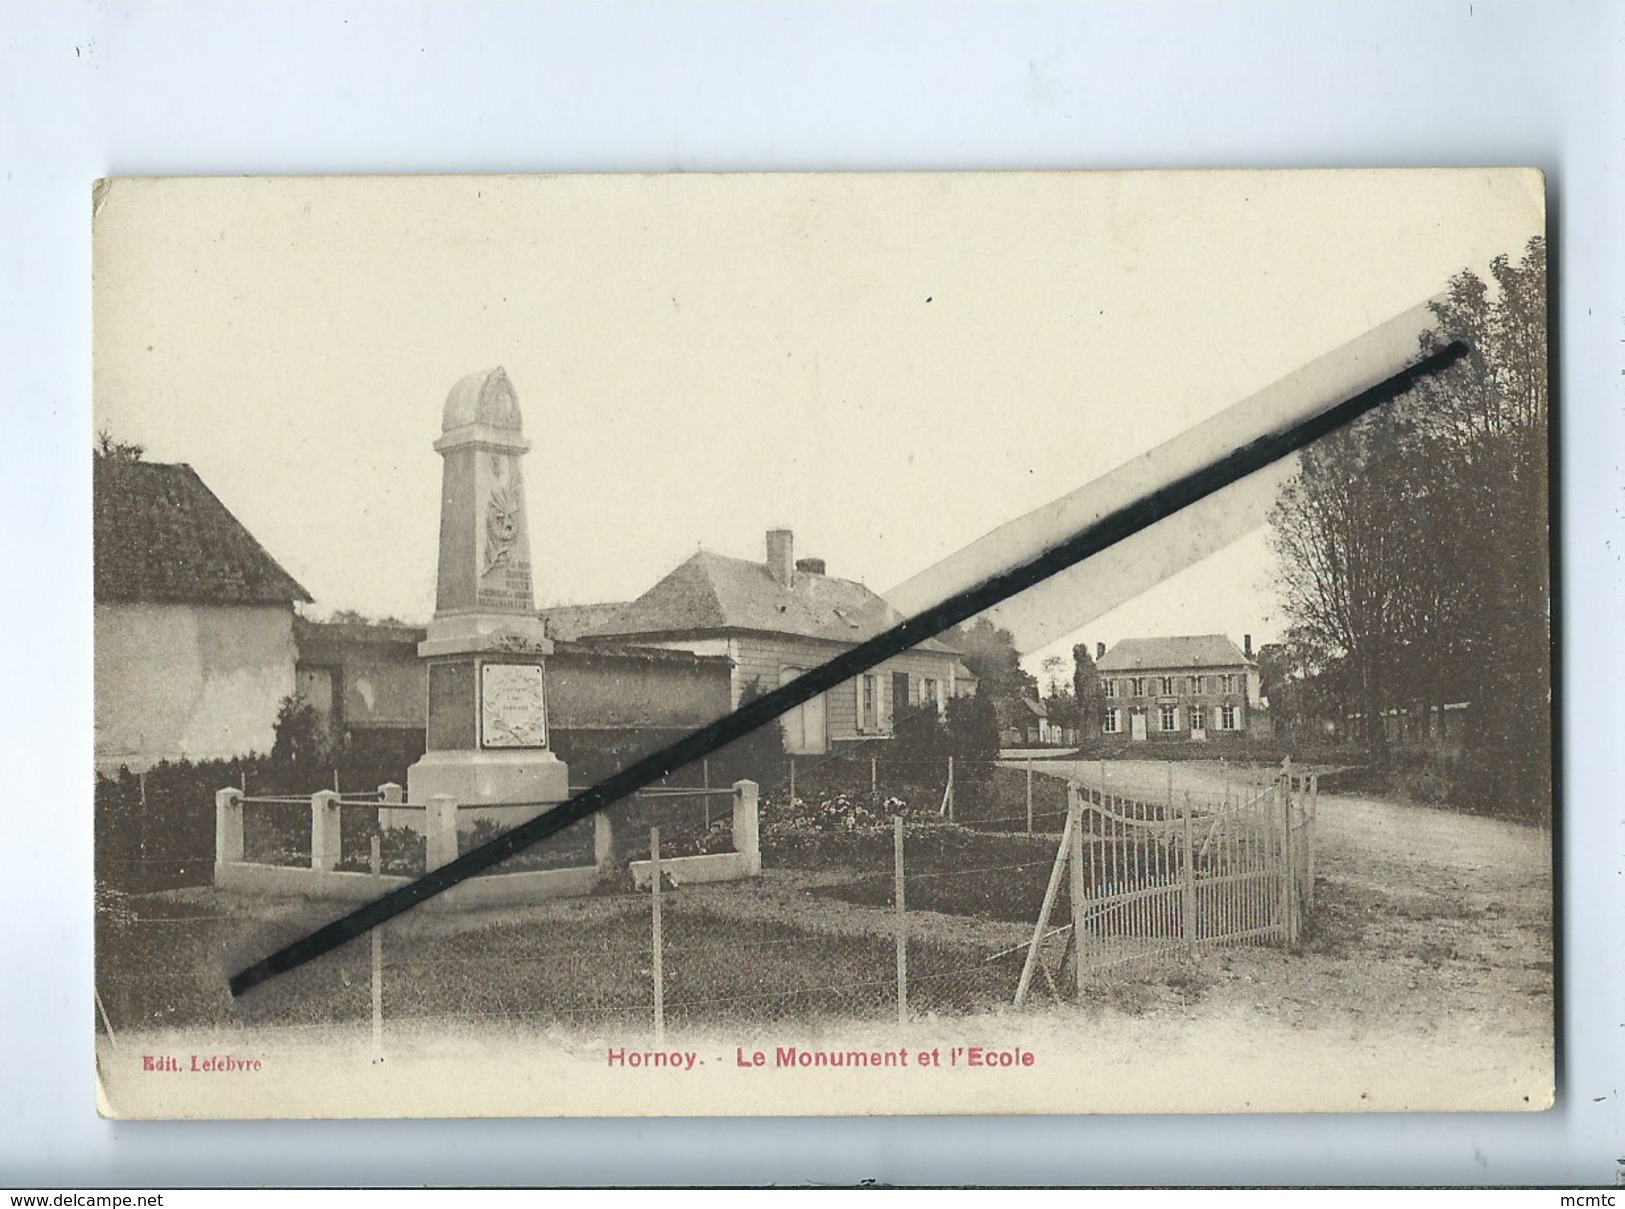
(1227, 682)
(1166, 686)
(1229, 718)
(928, 692)
(1114, 721)
(1109, 687)
(869, 703)
(1136, 686)
(1198, 685)
(1169, 719)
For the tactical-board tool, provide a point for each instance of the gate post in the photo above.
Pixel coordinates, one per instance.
(1079, 893)
(1188, 861)
(1309, 838)
(1283, 795)
(228, 828)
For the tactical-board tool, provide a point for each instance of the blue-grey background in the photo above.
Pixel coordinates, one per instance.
(101, 89)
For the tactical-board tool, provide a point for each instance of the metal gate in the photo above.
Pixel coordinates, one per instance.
(1154, 881)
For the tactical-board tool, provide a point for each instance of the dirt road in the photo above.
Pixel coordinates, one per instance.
(1427, 922)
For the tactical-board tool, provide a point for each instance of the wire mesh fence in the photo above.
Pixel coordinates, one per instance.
(725, 960)
(893, 889)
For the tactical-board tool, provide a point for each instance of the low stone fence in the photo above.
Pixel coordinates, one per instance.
(320, 876)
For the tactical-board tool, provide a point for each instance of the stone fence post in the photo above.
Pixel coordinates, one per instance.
(440, 823)
(228, 828)
(324, 831)
(389, 794)
(746, 834)
(603, 843)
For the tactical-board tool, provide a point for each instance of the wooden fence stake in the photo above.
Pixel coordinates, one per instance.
(874, 797)
(377, 959)
(655, 965)
(792, 782)
(1029, 796)
(902, 922)
(141, 842)
(950, 790)
(106, 1022)
(1051, 892)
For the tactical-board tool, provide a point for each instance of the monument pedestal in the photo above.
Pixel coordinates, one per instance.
(476, 778)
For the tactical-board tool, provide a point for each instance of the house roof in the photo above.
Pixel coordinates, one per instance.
(961, 672)
(1186, 651)
(1018, 712)
(713, 592)
(162, 536)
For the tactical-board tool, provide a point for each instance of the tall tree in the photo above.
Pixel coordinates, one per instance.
(110, 447)
(991, 653)
(1091, 698)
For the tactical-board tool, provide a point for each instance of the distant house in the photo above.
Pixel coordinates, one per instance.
(1024, 723)
(193, 621)
(774, 620)
(965, 680)
(1188, 687)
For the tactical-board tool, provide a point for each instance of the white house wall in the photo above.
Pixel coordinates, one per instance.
(180, 681)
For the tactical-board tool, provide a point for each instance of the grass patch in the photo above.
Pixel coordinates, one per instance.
(584, 963)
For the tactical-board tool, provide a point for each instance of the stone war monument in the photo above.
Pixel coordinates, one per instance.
(487, 739)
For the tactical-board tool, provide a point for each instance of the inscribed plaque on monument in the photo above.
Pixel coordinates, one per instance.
(1249, 812)
(512, 713)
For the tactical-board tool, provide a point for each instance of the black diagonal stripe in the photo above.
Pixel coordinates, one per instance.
(1106, 532)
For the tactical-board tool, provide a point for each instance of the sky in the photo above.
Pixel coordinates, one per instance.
(889, 365)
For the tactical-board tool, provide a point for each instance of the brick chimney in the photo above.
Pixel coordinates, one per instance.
(812, 566)
(1247, 645)
(1100, 649)
(781, 559)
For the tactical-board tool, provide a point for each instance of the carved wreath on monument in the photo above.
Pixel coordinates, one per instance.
(501, 521)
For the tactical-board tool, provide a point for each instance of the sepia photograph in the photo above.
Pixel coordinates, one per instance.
(423, 505)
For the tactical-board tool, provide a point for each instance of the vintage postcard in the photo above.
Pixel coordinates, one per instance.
(423, 504)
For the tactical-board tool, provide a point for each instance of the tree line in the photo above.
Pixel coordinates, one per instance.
(1413, 552)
